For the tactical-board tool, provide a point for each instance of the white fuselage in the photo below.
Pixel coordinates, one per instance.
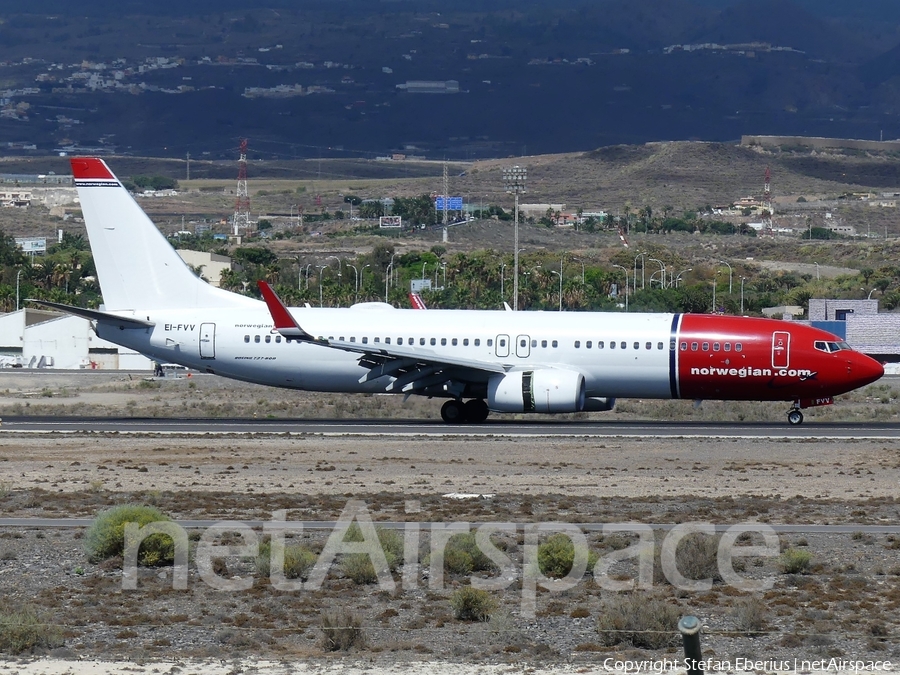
(241, 343)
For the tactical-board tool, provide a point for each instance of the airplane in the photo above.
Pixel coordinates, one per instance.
(479, 360)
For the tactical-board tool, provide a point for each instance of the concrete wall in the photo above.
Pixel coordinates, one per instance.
(825, 310)
(878, 334)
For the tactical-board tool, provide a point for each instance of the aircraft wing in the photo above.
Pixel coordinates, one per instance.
(413, 368)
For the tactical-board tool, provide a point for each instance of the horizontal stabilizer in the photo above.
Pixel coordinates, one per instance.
(96, 315)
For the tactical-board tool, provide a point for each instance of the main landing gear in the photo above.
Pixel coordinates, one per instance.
(455, 411)
(795, 417)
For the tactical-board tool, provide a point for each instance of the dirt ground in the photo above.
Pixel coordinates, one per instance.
(843, 606)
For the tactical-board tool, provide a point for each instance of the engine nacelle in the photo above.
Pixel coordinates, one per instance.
(544, 391)
(599, 404)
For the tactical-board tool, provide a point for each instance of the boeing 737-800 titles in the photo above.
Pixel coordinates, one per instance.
(478, 360)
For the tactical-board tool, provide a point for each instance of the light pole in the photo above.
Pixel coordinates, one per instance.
(715, 279)
(559, 274)
(356, 276)
(322, 269)
(307, 275)
(662, 268)
(870, 293)
(502, 271)
(423, 270)
(514, 178)
(641, 256)
(362, 271)
(625, 269)
(18, 274)
(817, 270)
(582, 269)
(730, 275)
(678, 276)
(742, 294)
(340, 266)
(392, 267)
(444, 267)
(387, 276)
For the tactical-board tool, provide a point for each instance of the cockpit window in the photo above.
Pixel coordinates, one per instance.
(843, 345)
(821, 345)
(830, 347)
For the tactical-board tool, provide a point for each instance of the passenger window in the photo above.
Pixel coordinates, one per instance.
(600, 344)
(341, 338)
(624, 345)
(443, 342)
(256, 338)
(268, 339)
(659, 345)
(649, 345)
(587, 345)
(433, 342)
(612, 344)
(577, 344)
(694, 346)
(365, 340)
(534, 343)
(684, 346)
(387, 341)
(637, 345)
(377, 339)
(278, 339)
(399, 341)
(454, 342)
(502, 342)
(465, 342)
(490, 342)
(555, 344)
(727, 346)
(705, 346)
(352, 339)
(738, 347)
(478, 342)
(246, 338)
(544, 344)
(715, 346)
(411, 341)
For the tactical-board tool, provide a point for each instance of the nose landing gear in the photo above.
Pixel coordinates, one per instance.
(455, 411)
(795, 417)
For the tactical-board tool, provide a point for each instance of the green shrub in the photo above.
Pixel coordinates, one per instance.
(462, 556)
(298, 560)
(794, 561)
(557, 555)
(342, 631)
(358, 566)
(644, 621)
(472, 604)
(697, 557)
(105, 538)
(24, 631)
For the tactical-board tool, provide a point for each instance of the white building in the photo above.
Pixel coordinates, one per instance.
(36, 338)
(211, 265)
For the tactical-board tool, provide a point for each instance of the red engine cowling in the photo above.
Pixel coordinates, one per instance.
(547, 390)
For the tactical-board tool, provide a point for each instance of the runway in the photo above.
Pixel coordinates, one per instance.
(407, 428)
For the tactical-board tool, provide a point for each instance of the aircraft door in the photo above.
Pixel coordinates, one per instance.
(207, 340)
(781, 343)
(502, 346)
(523, 346)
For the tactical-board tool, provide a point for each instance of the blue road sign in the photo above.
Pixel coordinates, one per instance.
(453, 204)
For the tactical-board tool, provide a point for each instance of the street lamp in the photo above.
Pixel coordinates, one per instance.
(392, 267)
(662, 268)
(678, 276)
(742, 294)
(307, 275)
(444, 267)
(322, 269)
(514, 179)
(582, 269)
(387, 276)
(423, 270)
(817, 270)
(340, 266)
(502, 270)
(870, 293)
(362, 270)
(641, 256)
(18, 274)
(625, 269)
(730, 275)
(559, 274)
(356, 276)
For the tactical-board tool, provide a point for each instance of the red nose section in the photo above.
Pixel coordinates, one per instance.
(865, 370)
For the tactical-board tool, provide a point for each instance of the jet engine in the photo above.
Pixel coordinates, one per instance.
(547, 390)
(599, 404)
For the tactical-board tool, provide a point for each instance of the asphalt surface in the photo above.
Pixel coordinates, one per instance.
(561, 428)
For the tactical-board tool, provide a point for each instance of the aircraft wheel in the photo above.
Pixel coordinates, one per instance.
(795, 417)
(476, 411)
(452, 412)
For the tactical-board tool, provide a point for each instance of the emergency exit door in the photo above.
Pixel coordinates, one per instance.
(207, 340)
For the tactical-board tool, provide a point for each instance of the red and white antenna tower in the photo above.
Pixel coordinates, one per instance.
(242, 201)
(767, 199)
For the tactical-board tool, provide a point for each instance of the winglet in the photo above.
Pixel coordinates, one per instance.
(284, 322)
(90, 169)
